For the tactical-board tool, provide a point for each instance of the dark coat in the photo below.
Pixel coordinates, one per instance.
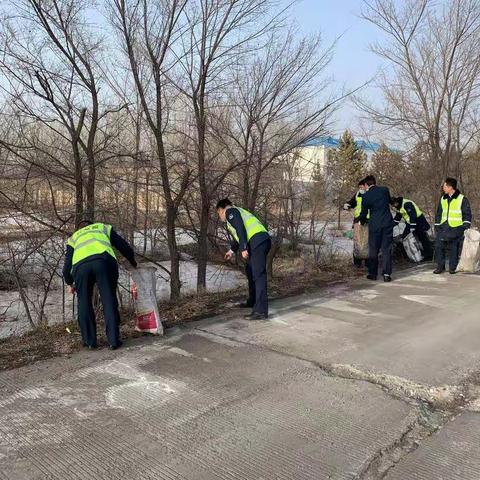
(377, 201)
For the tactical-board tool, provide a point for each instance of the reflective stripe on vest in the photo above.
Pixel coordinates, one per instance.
(91, 240)
(251, 223)
(358, 206)
(452, 211)
(405, 214)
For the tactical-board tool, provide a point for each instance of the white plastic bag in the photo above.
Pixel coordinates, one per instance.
(413, 248)
(360, 241)
(147, 317)
(398, 230)
(470, 258)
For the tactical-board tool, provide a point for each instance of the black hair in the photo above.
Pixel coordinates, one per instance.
(394, 201)
(224, 203)
(84, 222)
(370, 180)
(451, 182)
(361, 182)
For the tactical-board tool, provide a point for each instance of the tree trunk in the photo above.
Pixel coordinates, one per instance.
(175, 284)
(203, 248)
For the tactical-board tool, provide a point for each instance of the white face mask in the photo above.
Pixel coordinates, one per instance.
(361, 191)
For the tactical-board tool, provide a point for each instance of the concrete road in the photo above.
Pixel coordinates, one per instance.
(375, 381)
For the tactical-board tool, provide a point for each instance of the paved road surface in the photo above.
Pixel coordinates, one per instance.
(375, 381)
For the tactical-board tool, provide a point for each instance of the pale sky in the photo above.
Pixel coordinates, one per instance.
(353, 64)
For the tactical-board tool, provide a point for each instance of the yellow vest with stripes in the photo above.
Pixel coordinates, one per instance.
(91, 240)
(452, 212)
(358, 206)
(405, 214)
(251, 222)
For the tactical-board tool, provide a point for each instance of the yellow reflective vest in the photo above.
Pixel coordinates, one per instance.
(452, 211)
(405, 214)
(358, 206)
(251, 222)
(91, 240)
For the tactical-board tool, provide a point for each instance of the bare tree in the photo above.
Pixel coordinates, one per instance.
(431, 84)
(50, 59)
(149, 32)
(280, 103)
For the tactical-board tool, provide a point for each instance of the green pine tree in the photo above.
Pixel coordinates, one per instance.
(346, 166)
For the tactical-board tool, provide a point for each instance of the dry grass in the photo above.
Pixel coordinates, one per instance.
(292, 275)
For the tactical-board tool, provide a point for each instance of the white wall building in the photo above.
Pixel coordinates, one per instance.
(314, 153)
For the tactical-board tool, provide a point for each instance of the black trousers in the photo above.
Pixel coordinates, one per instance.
(257, 277)
(454, 246)
(380, 240)
(104, 273)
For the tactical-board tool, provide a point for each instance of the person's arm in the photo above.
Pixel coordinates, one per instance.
(397, 218)
(388, 194)
(235, 220)
(466, 213)
(365, 208)
(352, 203)
(123, 247)
(233, 244)
(412, 214)
(438, 215)
(67, 266)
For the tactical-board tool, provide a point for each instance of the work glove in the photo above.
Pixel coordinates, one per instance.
(346, 206)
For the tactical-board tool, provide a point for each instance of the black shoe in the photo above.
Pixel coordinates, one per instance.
(438, 271)
(257, 316)
(452, 272)
(115, 347)
(244, 305)
(387, 278)
(371, 277)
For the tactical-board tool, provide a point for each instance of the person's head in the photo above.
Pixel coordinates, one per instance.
(370, 181)
(450, 186)
(395, 202)
(84, 222)
(361, 186)
(222, 207)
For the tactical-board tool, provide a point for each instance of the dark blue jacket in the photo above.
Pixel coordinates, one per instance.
(377, 201)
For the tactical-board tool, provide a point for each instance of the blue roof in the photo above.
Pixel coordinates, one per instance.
(330, 142)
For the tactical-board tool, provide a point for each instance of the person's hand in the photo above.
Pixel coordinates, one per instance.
(228, 256)
(72, 289)
(346, 206)
(245, 254)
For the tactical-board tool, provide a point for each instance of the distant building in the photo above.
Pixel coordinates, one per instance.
(312, 156)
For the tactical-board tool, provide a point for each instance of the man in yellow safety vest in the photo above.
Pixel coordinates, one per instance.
(415, 223)
(453, 217)
(250, 238)
(89, 260)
